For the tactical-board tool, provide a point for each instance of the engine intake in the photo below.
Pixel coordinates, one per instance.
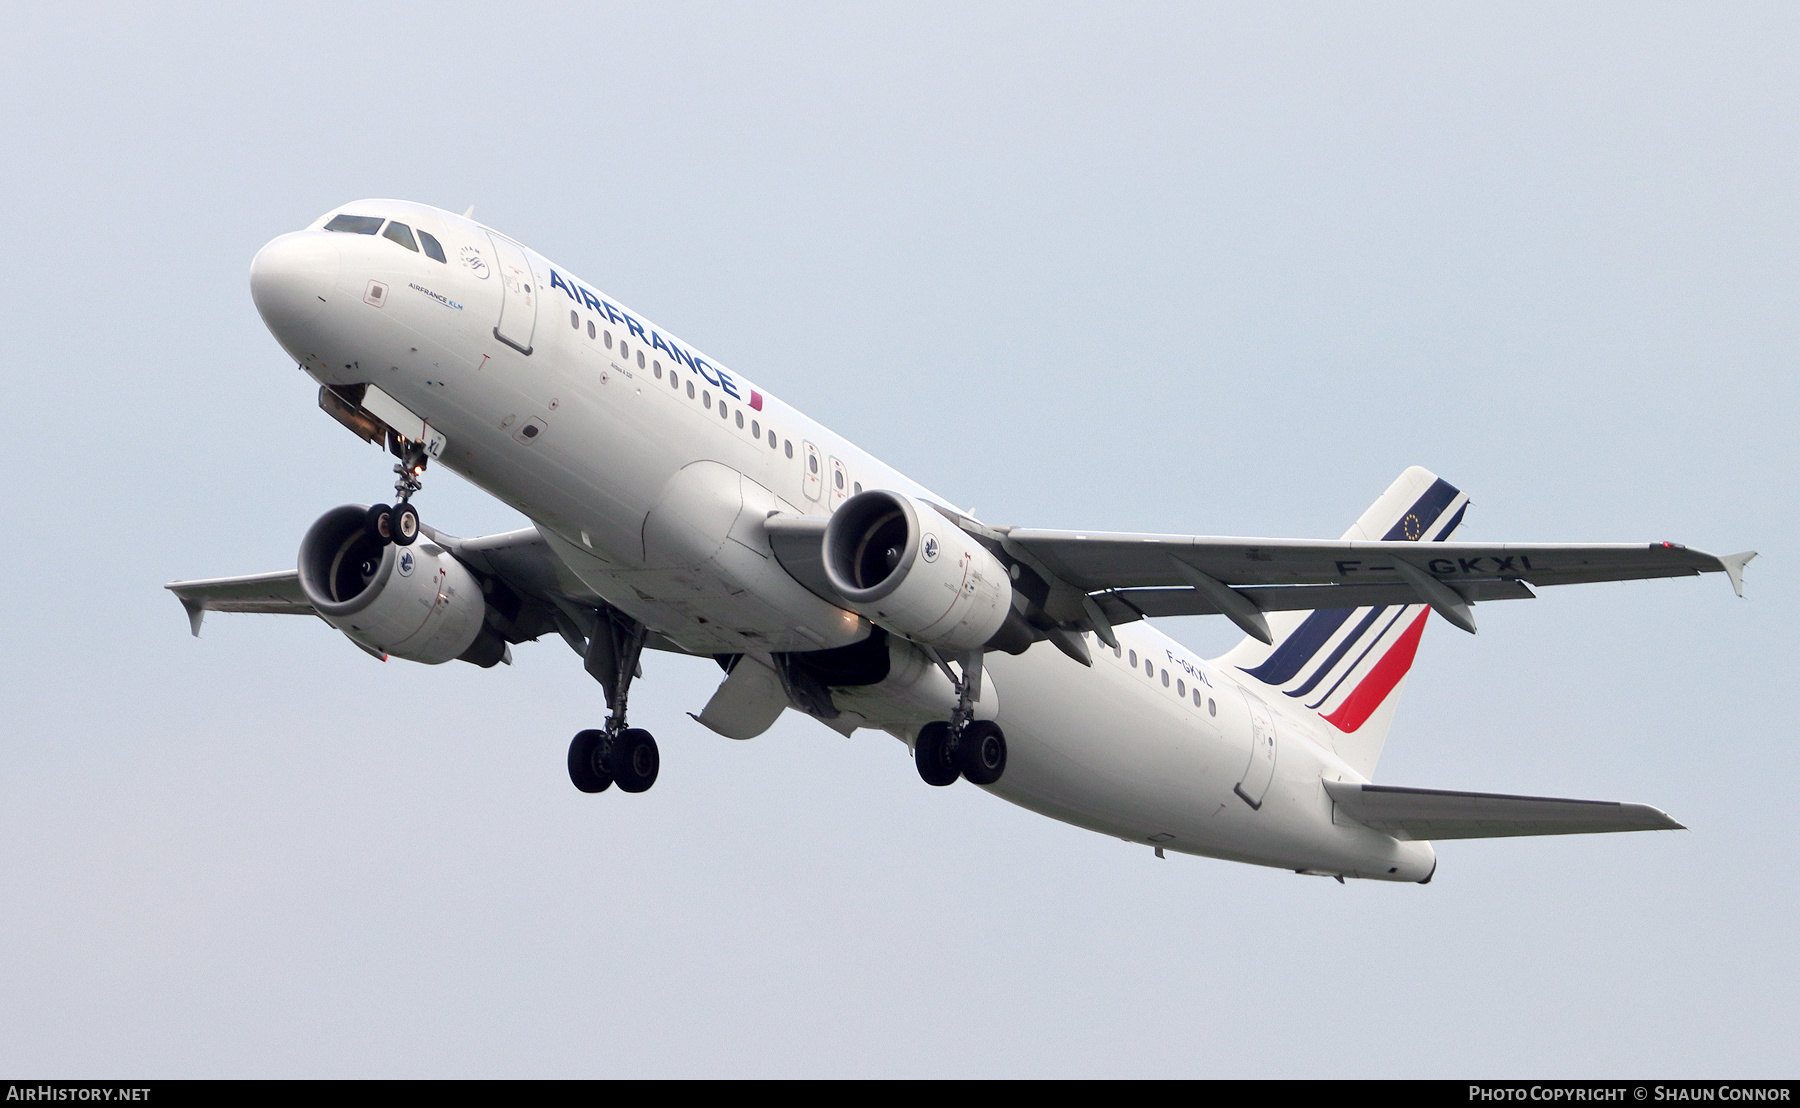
(908, 569)
(413, 602)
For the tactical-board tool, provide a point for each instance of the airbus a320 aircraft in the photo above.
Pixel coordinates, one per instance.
(677, 506)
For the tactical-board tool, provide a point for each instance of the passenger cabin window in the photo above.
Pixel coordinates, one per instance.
(690, 390)
(402, 234)
(788, 444)
(1134, 659)
(724, 412)
(1165, 678)
(590, 328)
(609, 340)
(1180, 687)
(432, 250)
(624, 351)
(656, 368)
(740, 417)
(771, 440)
(1149, 667)
(755, 428)
(859, 488)
(1196, 698)
(812, 462)
(575, 320)
(640, 359)
(706, 400)
(355, 224)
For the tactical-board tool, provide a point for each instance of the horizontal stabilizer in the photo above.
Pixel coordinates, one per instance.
(1442, 814)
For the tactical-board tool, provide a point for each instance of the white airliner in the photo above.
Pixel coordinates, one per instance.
(678, 506)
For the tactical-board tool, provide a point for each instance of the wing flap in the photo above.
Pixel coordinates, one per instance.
(1126, 605)
(1444, 814)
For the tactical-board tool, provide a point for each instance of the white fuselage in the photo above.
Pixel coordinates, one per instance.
(649, 468)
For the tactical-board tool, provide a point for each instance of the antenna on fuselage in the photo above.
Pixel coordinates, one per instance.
(470, 214)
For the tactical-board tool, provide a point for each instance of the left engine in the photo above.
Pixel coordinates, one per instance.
(413, 602)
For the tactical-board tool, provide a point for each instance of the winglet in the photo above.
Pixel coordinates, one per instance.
(196, 613)
(1734, 568)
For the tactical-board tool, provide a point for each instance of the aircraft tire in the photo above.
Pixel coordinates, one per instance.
(380, 518)
(933, 755)
(633, 760)
(404, 523)
(584, 762)
(981, 752)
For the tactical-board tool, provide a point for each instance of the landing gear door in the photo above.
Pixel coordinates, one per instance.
(518, 295)
(1260, 769)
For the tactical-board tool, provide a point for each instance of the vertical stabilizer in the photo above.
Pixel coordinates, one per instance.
(1345, 666)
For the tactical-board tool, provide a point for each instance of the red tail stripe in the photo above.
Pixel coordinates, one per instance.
(1361, 704)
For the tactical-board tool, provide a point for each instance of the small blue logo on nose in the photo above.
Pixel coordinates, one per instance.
(406, 563)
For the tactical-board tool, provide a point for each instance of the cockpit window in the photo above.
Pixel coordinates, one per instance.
(432, 249)
(402, 234)
(355, 224)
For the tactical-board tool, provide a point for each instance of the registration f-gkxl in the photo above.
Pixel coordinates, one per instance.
(677, 506)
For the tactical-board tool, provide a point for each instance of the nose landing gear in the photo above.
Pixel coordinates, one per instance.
(399, 524)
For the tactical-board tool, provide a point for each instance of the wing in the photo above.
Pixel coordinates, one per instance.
(1096, 561)
(275, 593)
(1442, 814)
(1151, 575)
(533, 593)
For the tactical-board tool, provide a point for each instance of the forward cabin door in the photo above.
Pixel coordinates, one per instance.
(518, 296)
(1260, 769)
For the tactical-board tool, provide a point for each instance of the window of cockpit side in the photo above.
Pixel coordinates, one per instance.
(402, 234)
(433, 249)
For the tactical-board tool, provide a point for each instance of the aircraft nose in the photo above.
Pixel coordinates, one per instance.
(292, 278)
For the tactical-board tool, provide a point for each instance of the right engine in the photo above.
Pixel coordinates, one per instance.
(414, 602)
(915, 573)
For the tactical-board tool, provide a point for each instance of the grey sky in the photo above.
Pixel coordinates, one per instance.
(1224, 270)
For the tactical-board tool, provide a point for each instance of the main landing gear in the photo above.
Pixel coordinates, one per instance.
(963, 747)
(399, 524)
(621, 755)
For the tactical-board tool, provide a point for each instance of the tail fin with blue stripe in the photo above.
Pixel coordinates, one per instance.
(1344, 667)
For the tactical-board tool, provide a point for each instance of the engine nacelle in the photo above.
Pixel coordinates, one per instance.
(414, 602)
(914, 572)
